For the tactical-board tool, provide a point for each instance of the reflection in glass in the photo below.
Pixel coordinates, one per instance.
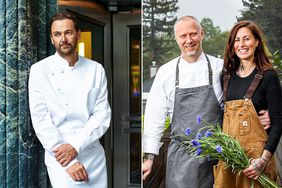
(135, 106)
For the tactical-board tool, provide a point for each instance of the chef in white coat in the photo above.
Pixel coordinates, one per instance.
(70, 110)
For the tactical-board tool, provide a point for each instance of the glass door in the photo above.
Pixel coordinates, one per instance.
(126, 100)
(135, 105)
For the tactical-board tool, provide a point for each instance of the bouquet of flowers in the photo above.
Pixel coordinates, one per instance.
(211, 142)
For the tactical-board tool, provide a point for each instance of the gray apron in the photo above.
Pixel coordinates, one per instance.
(183, 170)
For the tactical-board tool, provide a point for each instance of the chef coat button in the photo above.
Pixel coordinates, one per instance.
(59, 89)
(66, 104)
(62, 71)
(52, 74)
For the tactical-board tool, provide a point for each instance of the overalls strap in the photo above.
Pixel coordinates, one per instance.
(250, 90)
(226, 79)
(254, 85)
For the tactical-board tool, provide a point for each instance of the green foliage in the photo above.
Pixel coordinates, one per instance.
(158, 36)
(167, 122)
(266, 13)
(215, 40)
(277, 63)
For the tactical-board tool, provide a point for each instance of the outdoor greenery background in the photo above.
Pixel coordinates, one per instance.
(158, 35)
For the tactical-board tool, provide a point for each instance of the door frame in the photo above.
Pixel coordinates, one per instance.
(121, 91)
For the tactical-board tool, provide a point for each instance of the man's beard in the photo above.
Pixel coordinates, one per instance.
(66, 51)
(191, 53)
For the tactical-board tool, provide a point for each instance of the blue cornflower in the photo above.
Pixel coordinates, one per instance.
(208, 133)
(195, 143)
(187, 131)
(218, 148)
(199, 136)
(198, 151)
(199, 119)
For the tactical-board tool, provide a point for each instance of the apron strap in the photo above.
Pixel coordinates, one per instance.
(210, 69)
(177, 71)
(177, 74)
(254, 85)
(226, 79)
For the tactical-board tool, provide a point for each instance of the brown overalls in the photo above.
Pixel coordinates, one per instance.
(241, 122)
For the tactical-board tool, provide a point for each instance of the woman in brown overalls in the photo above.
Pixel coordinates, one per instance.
(250, 85)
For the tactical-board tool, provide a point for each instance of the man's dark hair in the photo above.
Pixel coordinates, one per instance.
(63, 16)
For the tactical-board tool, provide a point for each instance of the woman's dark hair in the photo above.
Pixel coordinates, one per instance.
(232, 61)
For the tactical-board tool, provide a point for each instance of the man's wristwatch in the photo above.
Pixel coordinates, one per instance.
(149, 156)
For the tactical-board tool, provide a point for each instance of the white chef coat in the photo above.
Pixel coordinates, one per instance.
(160, 102)
(70, 105)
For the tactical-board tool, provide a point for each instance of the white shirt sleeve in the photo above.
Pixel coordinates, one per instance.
(99, 121)
(155, 115)
(48, 134)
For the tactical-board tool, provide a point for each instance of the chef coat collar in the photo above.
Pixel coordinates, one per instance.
(200, 58)
(64, 62)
